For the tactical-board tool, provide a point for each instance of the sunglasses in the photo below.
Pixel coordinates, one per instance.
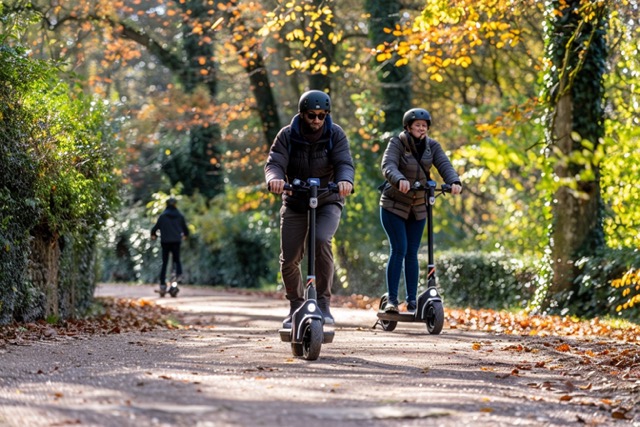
(312, 116)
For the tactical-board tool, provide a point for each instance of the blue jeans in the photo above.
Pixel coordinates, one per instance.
(404, 237)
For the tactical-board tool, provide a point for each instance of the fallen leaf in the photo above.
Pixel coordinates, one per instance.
(620, 415)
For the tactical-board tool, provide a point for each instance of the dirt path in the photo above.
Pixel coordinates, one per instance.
(229, 368)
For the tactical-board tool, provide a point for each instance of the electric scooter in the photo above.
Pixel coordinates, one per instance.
(429, 307)
(173, 285)
(306, 334)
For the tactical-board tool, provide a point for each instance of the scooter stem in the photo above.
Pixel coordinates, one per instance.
(431, 198)
(311, 245)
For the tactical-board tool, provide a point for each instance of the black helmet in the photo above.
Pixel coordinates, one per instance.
(171, 201)
(314, 100)
(416, 114)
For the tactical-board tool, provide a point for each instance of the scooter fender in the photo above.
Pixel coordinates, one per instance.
(306, 313)
(426, 298)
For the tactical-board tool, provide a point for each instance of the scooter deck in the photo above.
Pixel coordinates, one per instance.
(285, 335)
(398, 317)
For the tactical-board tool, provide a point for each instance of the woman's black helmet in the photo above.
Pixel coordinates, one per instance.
(416, 114)
(314, 100)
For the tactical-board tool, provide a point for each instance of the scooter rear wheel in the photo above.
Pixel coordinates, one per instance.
(387, 325)
(435, 317)
(312, 341)
(173, 289)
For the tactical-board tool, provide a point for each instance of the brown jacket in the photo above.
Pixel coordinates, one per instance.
(398, 163)
(292, 156)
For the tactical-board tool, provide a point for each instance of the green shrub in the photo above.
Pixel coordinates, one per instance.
(484, 280)
(19, 208)
(227, 245)
(57, 160)
(593, 293)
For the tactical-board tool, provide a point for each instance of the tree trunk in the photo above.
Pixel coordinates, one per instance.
(577, 51)
(43, 274)
(577, 214)
(395, 82)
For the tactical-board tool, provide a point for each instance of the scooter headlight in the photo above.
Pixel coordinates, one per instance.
(311, 307)
(433, 293)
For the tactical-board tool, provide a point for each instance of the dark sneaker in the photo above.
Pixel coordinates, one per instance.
(323, 305)
(163, 289)
(293, 306)
(286, 323)
(411, 306)
(328, 318)
(391, 308)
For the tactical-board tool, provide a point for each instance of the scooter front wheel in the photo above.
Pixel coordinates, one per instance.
(435, 317)
(387, 325)
(312, 340)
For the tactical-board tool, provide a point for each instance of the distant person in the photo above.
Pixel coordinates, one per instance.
(403, 212)
(311, 146)
(173, 229)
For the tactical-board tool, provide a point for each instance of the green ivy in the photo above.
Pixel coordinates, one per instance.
(58, 160)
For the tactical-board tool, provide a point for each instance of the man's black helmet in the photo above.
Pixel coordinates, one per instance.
(171, 201)
(416, 114)
(314, 100)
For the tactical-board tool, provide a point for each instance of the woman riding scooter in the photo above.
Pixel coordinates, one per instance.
(405, 165)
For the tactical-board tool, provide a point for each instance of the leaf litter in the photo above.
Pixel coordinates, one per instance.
(611, 348)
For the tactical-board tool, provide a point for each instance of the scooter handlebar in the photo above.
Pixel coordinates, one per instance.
(444, 188)
(305, 186)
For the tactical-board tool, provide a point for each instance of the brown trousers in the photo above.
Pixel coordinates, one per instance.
(293, 241)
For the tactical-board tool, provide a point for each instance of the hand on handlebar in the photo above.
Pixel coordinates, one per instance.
(403, 186)
(276, 186)
(345, 188)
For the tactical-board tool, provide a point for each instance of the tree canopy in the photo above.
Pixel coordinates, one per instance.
(199, 89)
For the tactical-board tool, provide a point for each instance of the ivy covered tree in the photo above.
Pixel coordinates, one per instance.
(577, 53)
(395, 86)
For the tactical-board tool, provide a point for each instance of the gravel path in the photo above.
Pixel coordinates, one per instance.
(228, 367)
